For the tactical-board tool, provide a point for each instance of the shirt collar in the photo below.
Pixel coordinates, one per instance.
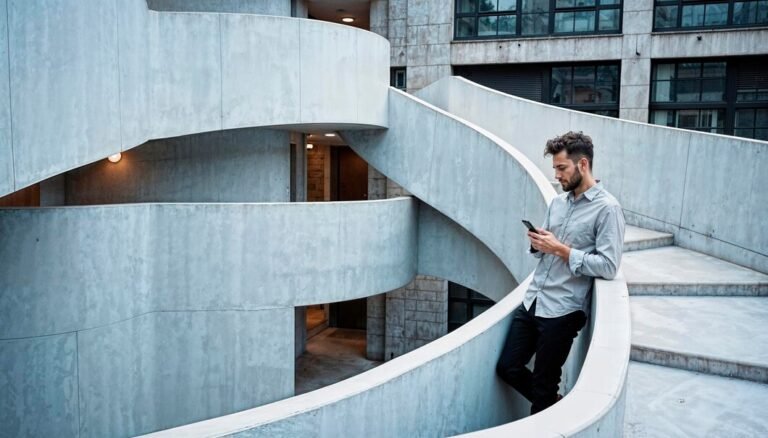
(589, 194)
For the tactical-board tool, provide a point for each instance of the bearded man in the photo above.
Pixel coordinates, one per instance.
(582, 238)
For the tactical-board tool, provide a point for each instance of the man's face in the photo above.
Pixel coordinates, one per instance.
(566, 171)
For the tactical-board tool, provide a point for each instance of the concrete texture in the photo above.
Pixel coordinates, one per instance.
(7, 179)
(332, 356)
(636, 239)
(244, 165)
(473, 178)
(716, 335)
(268, 7)
(125, 75)
(678, 271)
(663, 402)
(676, 194)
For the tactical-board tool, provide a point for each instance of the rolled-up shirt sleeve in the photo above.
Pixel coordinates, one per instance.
(609, 243)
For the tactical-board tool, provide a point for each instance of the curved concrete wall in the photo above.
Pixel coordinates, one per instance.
(467, 174)
(90, 78)
(119, 320)
(664, 177)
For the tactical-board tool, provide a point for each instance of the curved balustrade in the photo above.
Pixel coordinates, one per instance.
(663, 177)
(124, 74)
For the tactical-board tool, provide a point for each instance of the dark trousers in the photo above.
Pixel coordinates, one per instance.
(550, 339)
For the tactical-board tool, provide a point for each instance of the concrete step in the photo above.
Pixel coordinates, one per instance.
(636, 239)
(664, 402)
(724, 336)
(677, 271)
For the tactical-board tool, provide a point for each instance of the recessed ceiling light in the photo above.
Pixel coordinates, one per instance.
(348, 19)
(330, 134)
(114, 158)
(310, 145)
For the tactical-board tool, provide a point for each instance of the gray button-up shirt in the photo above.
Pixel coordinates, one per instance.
(593, 226)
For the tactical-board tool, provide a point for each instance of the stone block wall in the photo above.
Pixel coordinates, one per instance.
(319, 173)
(415, 315)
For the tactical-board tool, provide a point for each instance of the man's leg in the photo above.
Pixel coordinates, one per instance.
(555, 338)
(518, 349)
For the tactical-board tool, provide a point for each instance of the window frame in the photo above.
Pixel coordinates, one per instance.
(585, 107)
(731, 4)
(619, 5)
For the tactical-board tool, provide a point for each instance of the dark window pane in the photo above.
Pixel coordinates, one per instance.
(714, 69)
(712, 120)
(534, 24)
(663, 117)
(584, 92)
(689, 70)
(693, 15)
(761, 134)
(762, 12)
(713, 90)
(585, 2)
(479, 308)
(664, 71)
(761, 119)
(687, 119)
(507, 5)
(535, 6)
(465, 27)
(742, 132)
(745, 95)
(564, 3)
(744, 12)
(762, 94)
(564, 22)
(607, 73)
(607, 93)
(662, 91)
(716, 14)
(745, 118)
(507, 24)
(486, 26)
(607, 113)
(487, 5)
(457, 312)
(609, 19)
(666, 17)
(584, 21)
(609, 2)
(584, 74)
(561, 84)
(467, 6)
(478, 296)
(456, 290)
(687, 90)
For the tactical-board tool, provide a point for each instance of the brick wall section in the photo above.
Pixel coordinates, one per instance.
(416, 315)
(318, 176)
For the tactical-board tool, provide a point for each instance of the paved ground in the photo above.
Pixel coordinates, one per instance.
(669, 403)
(332, 356)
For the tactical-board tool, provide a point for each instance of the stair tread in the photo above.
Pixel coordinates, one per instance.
(730, 329)
(672, 403)
(675, 265)
(636, 234)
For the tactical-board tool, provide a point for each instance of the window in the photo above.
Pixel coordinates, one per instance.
(725, 97)
(591, 88)
(397, 77)
(476, 19)
(464, 304)
(703, 14)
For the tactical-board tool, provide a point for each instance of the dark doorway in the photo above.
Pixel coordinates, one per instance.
(349, 182)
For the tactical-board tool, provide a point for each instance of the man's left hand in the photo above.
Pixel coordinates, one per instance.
(547, 243)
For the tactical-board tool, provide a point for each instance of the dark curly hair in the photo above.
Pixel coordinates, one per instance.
(576, 145)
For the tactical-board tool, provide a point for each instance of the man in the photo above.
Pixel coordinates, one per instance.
(582, 238)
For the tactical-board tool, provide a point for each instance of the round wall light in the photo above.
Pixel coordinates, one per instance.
(330, 134)
(348, 19)
(310, 145)
(114, 158)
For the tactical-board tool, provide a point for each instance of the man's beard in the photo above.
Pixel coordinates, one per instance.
(572, 183)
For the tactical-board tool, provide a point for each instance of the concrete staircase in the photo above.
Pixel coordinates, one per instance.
(699, 361)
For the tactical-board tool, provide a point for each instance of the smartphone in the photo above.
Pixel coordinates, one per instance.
(530, 227)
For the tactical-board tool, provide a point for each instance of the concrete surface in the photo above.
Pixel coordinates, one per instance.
(678, 271)
(332, 356)
(680, 193)
(636, 239)
(264, 7)
(243, 165)
(664, 402)
(125, 74)
(718, 335)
